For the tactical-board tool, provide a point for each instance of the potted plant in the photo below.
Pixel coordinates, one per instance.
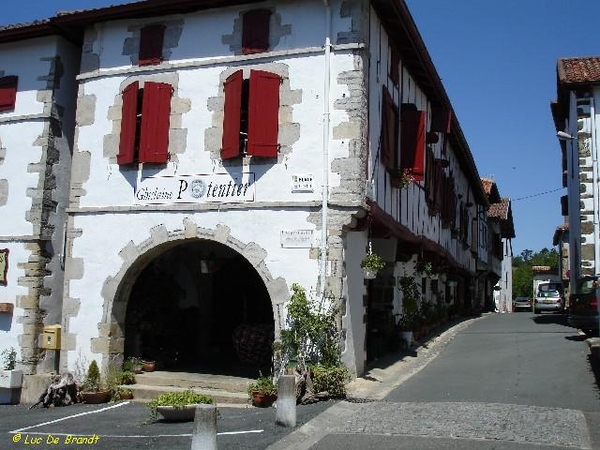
(92, 389)
(371, 265)
(177, 406)
(11, 379)
(123, 394)
(263, 391)
(133, 364)
(401, 177)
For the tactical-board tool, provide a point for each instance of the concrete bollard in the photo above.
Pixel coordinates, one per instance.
(286, 401)
(204, 436)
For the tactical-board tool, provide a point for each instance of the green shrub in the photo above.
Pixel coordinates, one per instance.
(127, 377)
(331, 379)
(178, 400)
(92, 378)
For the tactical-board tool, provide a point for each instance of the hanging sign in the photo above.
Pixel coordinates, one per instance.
(213, 188)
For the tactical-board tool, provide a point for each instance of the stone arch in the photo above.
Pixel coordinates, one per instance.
(117, 288)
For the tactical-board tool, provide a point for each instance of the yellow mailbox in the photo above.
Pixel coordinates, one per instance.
(51, 337)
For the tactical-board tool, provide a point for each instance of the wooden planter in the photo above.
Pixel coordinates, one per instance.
(263, 400)
(95, 397)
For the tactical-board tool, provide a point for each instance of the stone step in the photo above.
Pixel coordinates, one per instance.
(194, 380)
(145, 393)
(223, 389)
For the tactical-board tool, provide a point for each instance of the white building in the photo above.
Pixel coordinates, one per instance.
(224, 152)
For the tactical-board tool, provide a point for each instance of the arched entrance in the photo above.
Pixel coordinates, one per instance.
(200, 306)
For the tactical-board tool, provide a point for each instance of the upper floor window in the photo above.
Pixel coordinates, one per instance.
(151, 45)
(394, 65)
(8, 92)
(412, 141)
(145, 123)
(251, 115)
(255, 31)
(389, 132)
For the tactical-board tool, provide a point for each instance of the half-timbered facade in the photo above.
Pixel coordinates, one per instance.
(207, 179)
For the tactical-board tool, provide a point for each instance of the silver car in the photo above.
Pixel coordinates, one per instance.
(548, 301)
(522, 303)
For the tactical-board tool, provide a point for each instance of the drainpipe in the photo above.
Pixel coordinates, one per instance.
(326, 120)
(596, 212)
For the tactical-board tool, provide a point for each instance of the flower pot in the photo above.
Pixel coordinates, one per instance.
(95, 397)
(408, 337)
(149, 366)
(263, 400)
(177, 414)
(125, 395)
(369, 274)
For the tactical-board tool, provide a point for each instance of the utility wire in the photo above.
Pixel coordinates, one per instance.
(536, 195)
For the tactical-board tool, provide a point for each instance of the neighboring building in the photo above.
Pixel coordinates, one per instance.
(207, 179)
(501, 231)
(576, 122)
(37, 103)
(561, 240)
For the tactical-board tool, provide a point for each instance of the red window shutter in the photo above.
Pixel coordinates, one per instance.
(263, 114)
(230, 144)
(255, 32)
(128, 124)
(8, 92)
(154, 131)
(441, 120)
(151, 45)
(389, 131)
(412, 143)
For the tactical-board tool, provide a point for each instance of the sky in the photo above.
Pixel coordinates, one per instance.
(497, 61)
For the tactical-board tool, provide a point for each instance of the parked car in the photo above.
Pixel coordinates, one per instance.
(583, 305)
(550, 300)
(522, 303)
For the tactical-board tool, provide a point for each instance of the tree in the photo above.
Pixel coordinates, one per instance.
(522, 269)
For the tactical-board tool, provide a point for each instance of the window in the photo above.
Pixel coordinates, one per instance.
(389, 132)
(251, 115)
(151, 45)
(8, 92)
(145, 123)
(255, 31)
(412, 141)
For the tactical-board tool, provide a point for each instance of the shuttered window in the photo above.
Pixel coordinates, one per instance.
(255, 32)
(145, 123)
(441, 120)
(230, 147)
(263, 114)
(8, 92)
(394, 71)
(151, 45)
(251, 115)
(129, 125)
(389, 131)
(412, 143)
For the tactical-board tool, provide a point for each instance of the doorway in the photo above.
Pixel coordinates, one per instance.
(201, 307)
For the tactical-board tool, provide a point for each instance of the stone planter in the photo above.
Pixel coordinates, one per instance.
(177, 414)
(11, 379)
(10, 386)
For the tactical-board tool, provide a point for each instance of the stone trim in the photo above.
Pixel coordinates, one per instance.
(289, 131)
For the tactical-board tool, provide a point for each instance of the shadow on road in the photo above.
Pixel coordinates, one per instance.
(553, 318)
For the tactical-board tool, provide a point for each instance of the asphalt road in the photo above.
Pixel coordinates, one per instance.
(505, 382)
(502, 382)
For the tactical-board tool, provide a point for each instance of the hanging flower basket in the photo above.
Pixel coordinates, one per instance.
(371, 265)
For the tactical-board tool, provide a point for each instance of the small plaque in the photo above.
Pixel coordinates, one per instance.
(302, 183)
(297, 238)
